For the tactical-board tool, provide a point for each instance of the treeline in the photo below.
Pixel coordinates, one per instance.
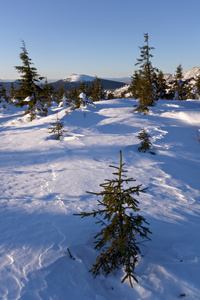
(149, 84)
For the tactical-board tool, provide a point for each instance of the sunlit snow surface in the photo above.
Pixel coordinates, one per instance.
(44, 181)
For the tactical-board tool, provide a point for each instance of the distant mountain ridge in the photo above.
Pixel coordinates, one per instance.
(108, 84)
(79, 78)
(74, 81)
(192, 73)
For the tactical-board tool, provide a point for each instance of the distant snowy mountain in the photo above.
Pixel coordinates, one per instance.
(190, 74)
(87, 78)
(74, 81)
(108, 83)
(79, 78)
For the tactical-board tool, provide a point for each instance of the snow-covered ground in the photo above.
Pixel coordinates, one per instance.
(44, 182)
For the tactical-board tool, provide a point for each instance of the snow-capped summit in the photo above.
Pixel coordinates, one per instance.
(78, 78)
(192, 73)
(74, 81)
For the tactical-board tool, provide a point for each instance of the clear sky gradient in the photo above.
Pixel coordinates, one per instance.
(98, 37)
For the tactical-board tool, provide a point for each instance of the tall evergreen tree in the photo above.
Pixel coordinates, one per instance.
(95, 90)
(74, 99)
(27, 84)
(160, 85)
(47, 94)
(60, 93)
(135, 84)
(12, 91)
(181, 87)
(3, 96)
(121, 225)
(143, 79)
(83, 87)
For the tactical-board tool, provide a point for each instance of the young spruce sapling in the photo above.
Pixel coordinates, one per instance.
(57, 128)
(121, 225)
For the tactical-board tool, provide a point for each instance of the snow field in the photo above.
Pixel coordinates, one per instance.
(44, 182)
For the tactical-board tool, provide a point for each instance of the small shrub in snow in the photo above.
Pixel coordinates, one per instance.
(57, 128)
(145, 143)
(120, 226)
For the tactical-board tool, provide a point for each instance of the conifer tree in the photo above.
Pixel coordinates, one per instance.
(142, 83)
(145, 143)
(47, 94)
(3, 96)
(121, 225)
(12, 92)
(60, 93)
(181, 88)
(57, 128)
(27, 85)
(74, 99)
(160, 85)
(135, 84)
(95, 90)
(83, 87)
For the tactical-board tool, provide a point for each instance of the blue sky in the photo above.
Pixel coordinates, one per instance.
(96, 37)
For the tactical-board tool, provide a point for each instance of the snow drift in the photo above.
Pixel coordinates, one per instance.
(44, 182)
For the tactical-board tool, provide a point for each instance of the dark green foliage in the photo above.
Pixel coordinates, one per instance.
(83, 87)
(160, 86)
(3, 96)
(61, 92)
(12, 92)
(110, 96)
(135, 84)
(47, 94)
(142, 81)
(74, 99)
(28, 87)
(57, 128)
(181, 88)
(145, 143)
(182, 295)
(121, 225)
(95, 90)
